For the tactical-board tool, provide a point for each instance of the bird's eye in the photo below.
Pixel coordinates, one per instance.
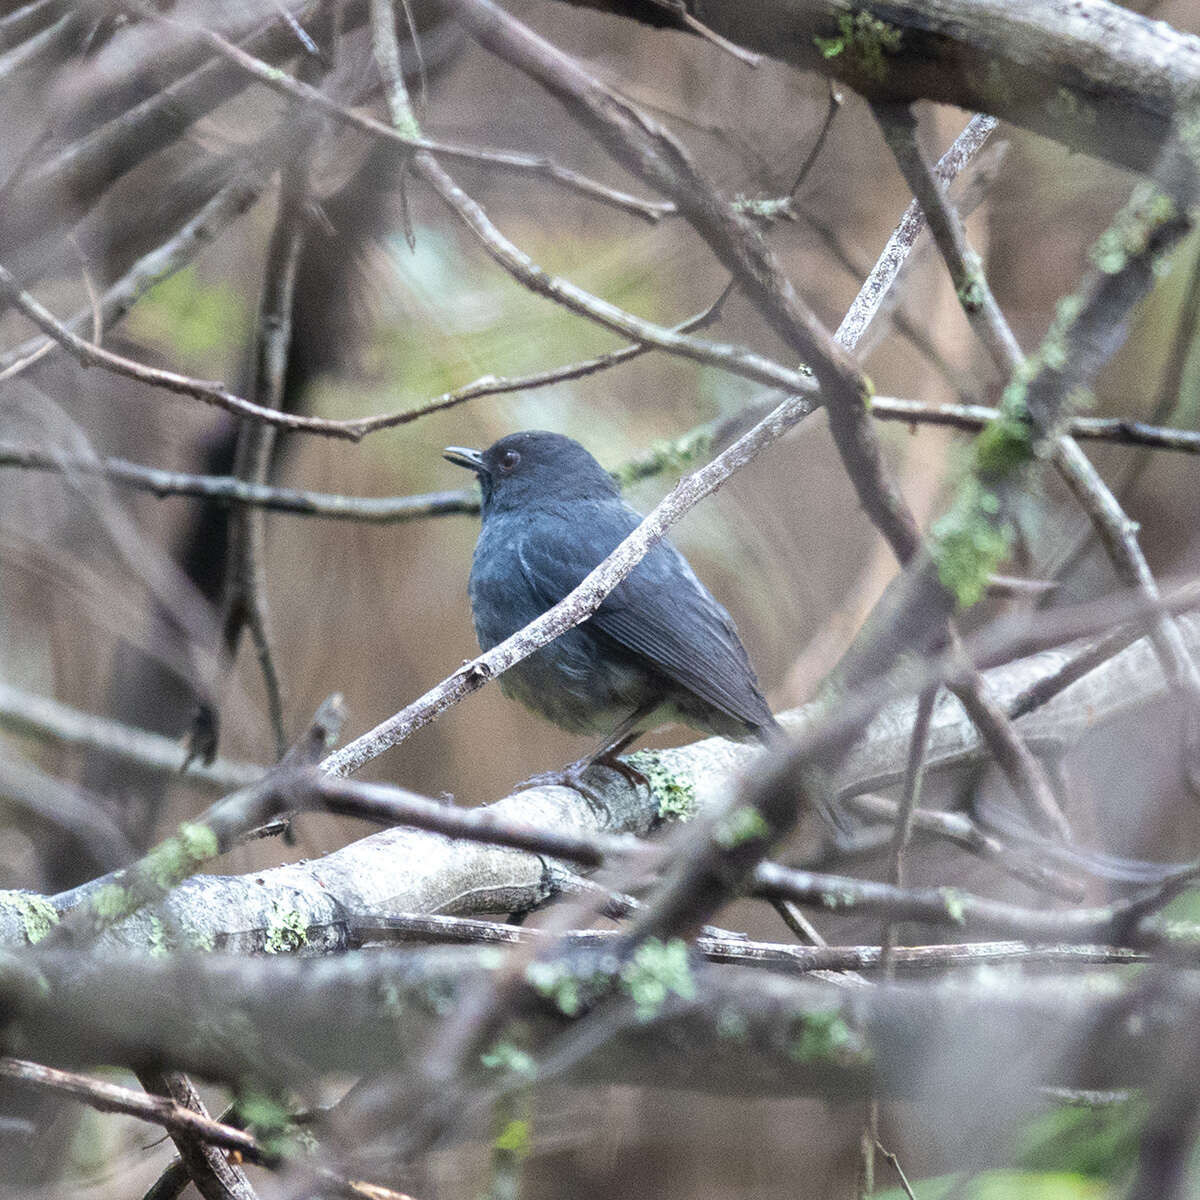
(507, 461)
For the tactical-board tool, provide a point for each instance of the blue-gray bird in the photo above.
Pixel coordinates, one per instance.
(658, 649)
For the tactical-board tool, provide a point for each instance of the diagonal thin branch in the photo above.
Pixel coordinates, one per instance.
(1117, 532)
(577, 605)
(208, 1167)
(159, 1110)
(644, 147)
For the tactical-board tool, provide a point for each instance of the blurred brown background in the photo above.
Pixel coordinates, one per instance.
(380, 612)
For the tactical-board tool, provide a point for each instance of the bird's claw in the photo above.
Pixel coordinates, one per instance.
(574, 776)
(570, 776)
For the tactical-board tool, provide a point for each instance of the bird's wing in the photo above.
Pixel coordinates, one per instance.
(663, 613)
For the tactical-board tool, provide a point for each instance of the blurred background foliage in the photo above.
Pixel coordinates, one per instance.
(380, 612)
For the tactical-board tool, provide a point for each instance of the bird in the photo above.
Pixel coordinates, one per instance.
(658, 650)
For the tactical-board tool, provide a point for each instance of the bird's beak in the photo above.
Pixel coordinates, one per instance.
(460, 456)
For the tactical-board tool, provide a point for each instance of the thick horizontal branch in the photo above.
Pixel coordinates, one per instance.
(723, 1029)
(1095, 76)
(408, 870)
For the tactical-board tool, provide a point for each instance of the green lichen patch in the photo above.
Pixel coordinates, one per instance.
(112, 902)
(667, 457)
(766, 208)
(37, 915)
(157, 938)
(675, 793)
(508, 1058)
(172, 861)
(970, 293)
(1069, 108)
(1181, 931)
(571, 990)
(955, 905)
(732, 1024)
(821, 1036)
(515, 1137)
(969, 542)
(744, 824)
(657, 971)
(406, 125)
(1053, 352)
(268, 1117)
(202, 940)
(1187, 128)
(287, 930)
(1003, 446)
(557, 982)
(1134, 227)
(865, 40)
(971, 287)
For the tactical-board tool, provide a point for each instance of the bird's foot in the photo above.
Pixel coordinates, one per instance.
(574, 776)
(624, 768)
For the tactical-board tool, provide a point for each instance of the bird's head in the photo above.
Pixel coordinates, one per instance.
(534, 468)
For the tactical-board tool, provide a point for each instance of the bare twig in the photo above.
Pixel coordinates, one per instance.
(245, 493)
(160, 1110)
(171, 381)
(832, 109)
(688, 21)
(976, 416)
(102, 902)
(393, 806)
(244, 603)
(875, 289)
(1014, 758)
(436, 929)
(1087, 660)
(224, 207)
(406, 141)
(24, 712)
(950, 907)
(910, 795)
(735, 359)
(228, 489)
(389, 509)
(961, 830)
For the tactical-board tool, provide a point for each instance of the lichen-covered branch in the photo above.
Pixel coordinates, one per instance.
(705, 1027)
(1096, 76)
(409, 870)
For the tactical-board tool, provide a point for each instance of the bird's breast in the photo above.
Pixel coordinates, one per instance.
(575, 681)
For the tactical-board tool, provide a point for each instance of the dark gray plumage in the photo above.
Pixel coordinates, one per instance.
(659, 648)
